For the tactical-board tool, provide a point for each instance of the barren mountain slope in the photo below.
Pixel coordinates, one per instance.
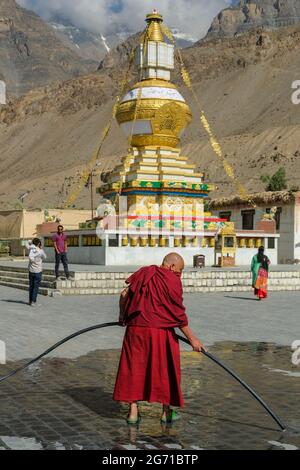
(244, 85)
(30, 53)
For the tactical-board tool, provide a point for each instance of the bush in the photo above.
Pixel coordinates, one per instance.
(277, 182)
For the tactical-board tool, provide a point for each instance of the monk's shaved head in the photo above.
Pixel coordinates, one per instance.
(173, 261)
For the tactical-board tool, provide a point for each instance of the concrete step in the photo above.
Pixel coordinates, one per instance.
(18, 269)
(199, 275)
(91, 291)
(16, 285)
(24, 275)
(187, 290)
(101, 283)
(112, 287)
(25, 281)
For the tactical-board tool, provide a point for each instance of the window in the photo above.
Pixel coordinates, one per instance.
(229, 242)
(225, 215)
(278, 217)
(271, 243)
(248, 219)
(113, 241)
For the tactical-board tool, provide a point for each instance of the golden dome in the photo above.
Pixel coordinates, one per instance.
(153, 112)
(157, 108)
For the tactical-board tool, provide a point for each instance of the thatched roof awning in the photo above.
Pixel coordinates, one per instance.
(265, 198)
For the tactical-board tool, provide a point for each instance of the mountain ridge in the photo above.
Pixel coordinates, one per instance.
(30, 53)
(248, 15)
(244, 84)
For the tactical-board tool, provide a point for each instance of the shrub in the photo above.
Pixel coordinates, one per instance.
(277, 182)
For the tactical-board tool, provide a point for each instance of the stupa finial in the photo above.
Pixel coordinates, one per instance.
(154, 21)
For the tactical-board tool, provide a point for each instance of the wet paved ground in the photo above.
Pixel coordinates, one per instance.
(65, 401)
(214, 317)
(66, 404)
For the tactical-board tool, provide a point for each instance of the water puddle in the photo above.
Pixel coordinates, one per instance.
(67, 404)
(288, 373)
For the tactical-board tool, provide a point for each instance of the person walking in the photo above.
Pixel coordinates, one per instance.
(35, 267)
(149, 369)
(260, 274)
(61, 248)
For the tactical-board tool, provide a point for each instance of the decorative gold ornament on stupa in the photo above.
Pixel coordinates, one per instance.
(153, 112)
(154, 31)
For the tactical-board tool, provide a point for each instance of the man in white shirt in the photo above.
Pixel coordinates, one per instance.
(36, 258)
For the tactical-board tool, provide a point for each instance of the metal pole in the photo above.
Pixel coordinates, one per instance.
(23, 235)
(92, 195)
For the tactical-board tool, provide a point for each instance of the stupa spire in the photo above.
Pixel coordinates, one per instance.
(154, 31)
(155, 58)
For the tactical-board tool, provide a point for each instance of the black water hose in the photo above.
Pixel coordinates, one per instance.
(184, 340)
(236, 377)
(63, 341)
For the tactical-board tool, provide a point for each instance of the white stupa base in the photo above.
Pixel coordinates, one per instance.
(142, 256)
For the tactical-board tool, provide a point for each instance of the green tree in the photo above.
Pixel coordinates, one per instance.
(277, 182)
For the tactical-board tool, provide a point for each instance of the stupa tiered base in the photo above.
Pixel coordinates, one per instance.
(162, 190)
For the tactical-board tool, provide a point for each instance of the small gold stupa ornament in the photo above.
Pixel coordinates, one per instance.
(153, 112)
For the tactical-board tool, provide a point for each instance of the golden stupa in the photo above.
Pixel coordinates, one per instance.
(154, 177)
(158, 109)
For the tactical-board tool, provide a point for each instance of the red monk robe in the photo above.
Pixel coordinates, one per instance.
(149, 368)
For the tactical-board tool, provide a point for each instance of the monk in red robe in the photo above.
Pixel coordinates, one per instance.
(151, 307)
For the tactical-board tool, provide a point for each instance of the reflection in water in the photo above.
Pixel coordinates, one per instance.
(289, 373)
(283, 446)
(67, 404)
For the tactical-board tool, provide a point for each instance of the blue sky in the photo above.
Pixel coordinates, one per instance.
(116, 6)
(108, 16)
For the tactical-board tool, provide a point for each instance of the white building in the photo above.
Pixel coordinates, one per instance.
(86, 247)
(247, 217)
(18, 225)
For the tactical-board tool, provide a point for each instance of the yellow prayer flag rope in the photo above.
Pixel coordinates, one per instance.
(96, 155)
(186, 77)
(168, 33)
(213, 141)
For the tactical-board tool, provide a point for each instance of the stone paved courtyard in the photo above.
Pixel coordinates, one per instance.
(65, 402)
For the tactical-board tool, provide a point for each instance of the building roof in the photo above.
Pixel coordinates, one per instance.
(264, 198)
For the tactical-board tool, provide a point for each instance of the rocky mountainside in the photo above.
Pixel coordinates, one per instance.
(251, 14)
(31, 55)
(88, 45)
(92, 46)
(244, 85)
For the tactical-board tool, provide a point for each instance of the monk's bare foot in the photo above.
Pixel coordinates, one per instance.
(133, 412)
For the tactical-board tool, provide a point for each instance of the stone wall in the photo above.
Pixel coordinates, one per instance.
(193, 282)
